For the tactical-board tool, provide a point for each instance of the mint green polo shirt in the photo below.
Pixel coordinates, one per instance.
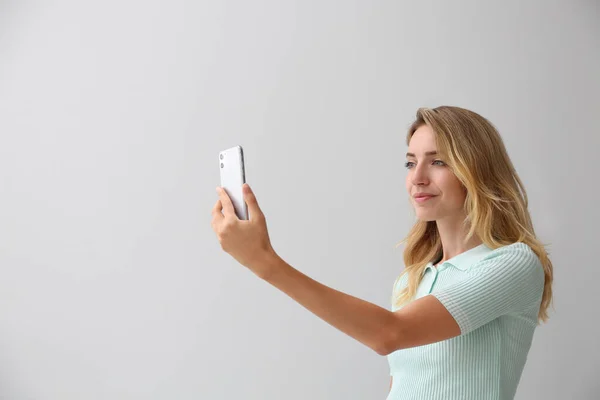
(494, 296)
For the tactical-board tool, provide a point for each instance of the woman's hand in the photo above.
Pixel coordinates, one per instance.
(246, 241)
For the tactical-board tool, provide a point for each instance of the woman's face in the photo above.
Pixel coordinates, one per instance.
(429, 173)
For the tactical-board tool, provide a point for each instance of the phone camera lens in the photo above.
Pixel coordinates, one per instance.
(221, 165)
(221, 156)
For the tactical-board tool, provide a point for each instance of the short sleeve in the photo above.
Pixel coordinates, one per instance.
(509, 280)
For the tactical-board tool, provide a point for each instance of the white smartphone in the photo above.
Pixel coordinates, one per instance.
(233, 176)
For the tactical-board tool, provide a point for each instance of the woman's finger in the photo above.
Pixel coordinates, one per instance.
(226, 201)
(216, 211)
(250, 199)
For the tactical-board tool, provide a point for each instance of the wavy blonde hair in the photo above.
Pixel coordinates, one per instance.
(496, 201)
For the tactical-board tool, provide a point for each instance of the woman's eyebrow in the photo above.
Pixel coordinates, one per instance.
(427, 153)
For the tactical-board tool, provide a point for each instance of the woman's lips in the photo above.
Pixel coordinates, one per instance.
(423, 199)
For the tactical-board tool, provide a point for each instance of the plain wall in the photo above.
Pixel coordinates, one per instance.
(112, 114)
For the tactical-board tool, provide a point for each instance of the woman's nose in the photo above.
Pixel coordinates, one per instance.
(419, 176)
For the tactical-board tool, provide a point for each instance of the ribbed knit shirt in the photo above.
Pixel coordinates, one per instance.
(494, 295)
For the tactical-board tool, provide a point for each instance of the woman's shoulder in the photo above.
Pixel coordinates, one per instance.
(516, 248)
(516, 256)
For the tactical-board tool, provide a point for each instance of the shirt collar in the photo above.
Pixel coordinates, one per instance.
(466, 259)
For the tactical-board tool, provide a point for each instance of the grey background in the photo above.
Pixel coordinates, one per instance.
(112, 282)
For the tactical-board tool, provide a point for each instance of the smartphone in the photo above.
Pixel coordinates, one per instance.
(233, 176)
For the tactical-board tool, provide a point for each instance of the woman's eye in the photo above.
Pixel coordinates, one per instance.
(409, 164)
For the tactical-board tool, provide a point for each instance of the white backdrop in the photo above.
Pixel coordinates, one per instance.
(112, 114)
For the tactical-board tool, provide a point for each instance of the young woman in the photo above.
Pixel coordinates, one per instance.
(476, 281)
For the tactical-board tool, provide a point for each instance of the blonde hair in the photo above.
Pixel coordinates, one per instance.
(496, 201)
